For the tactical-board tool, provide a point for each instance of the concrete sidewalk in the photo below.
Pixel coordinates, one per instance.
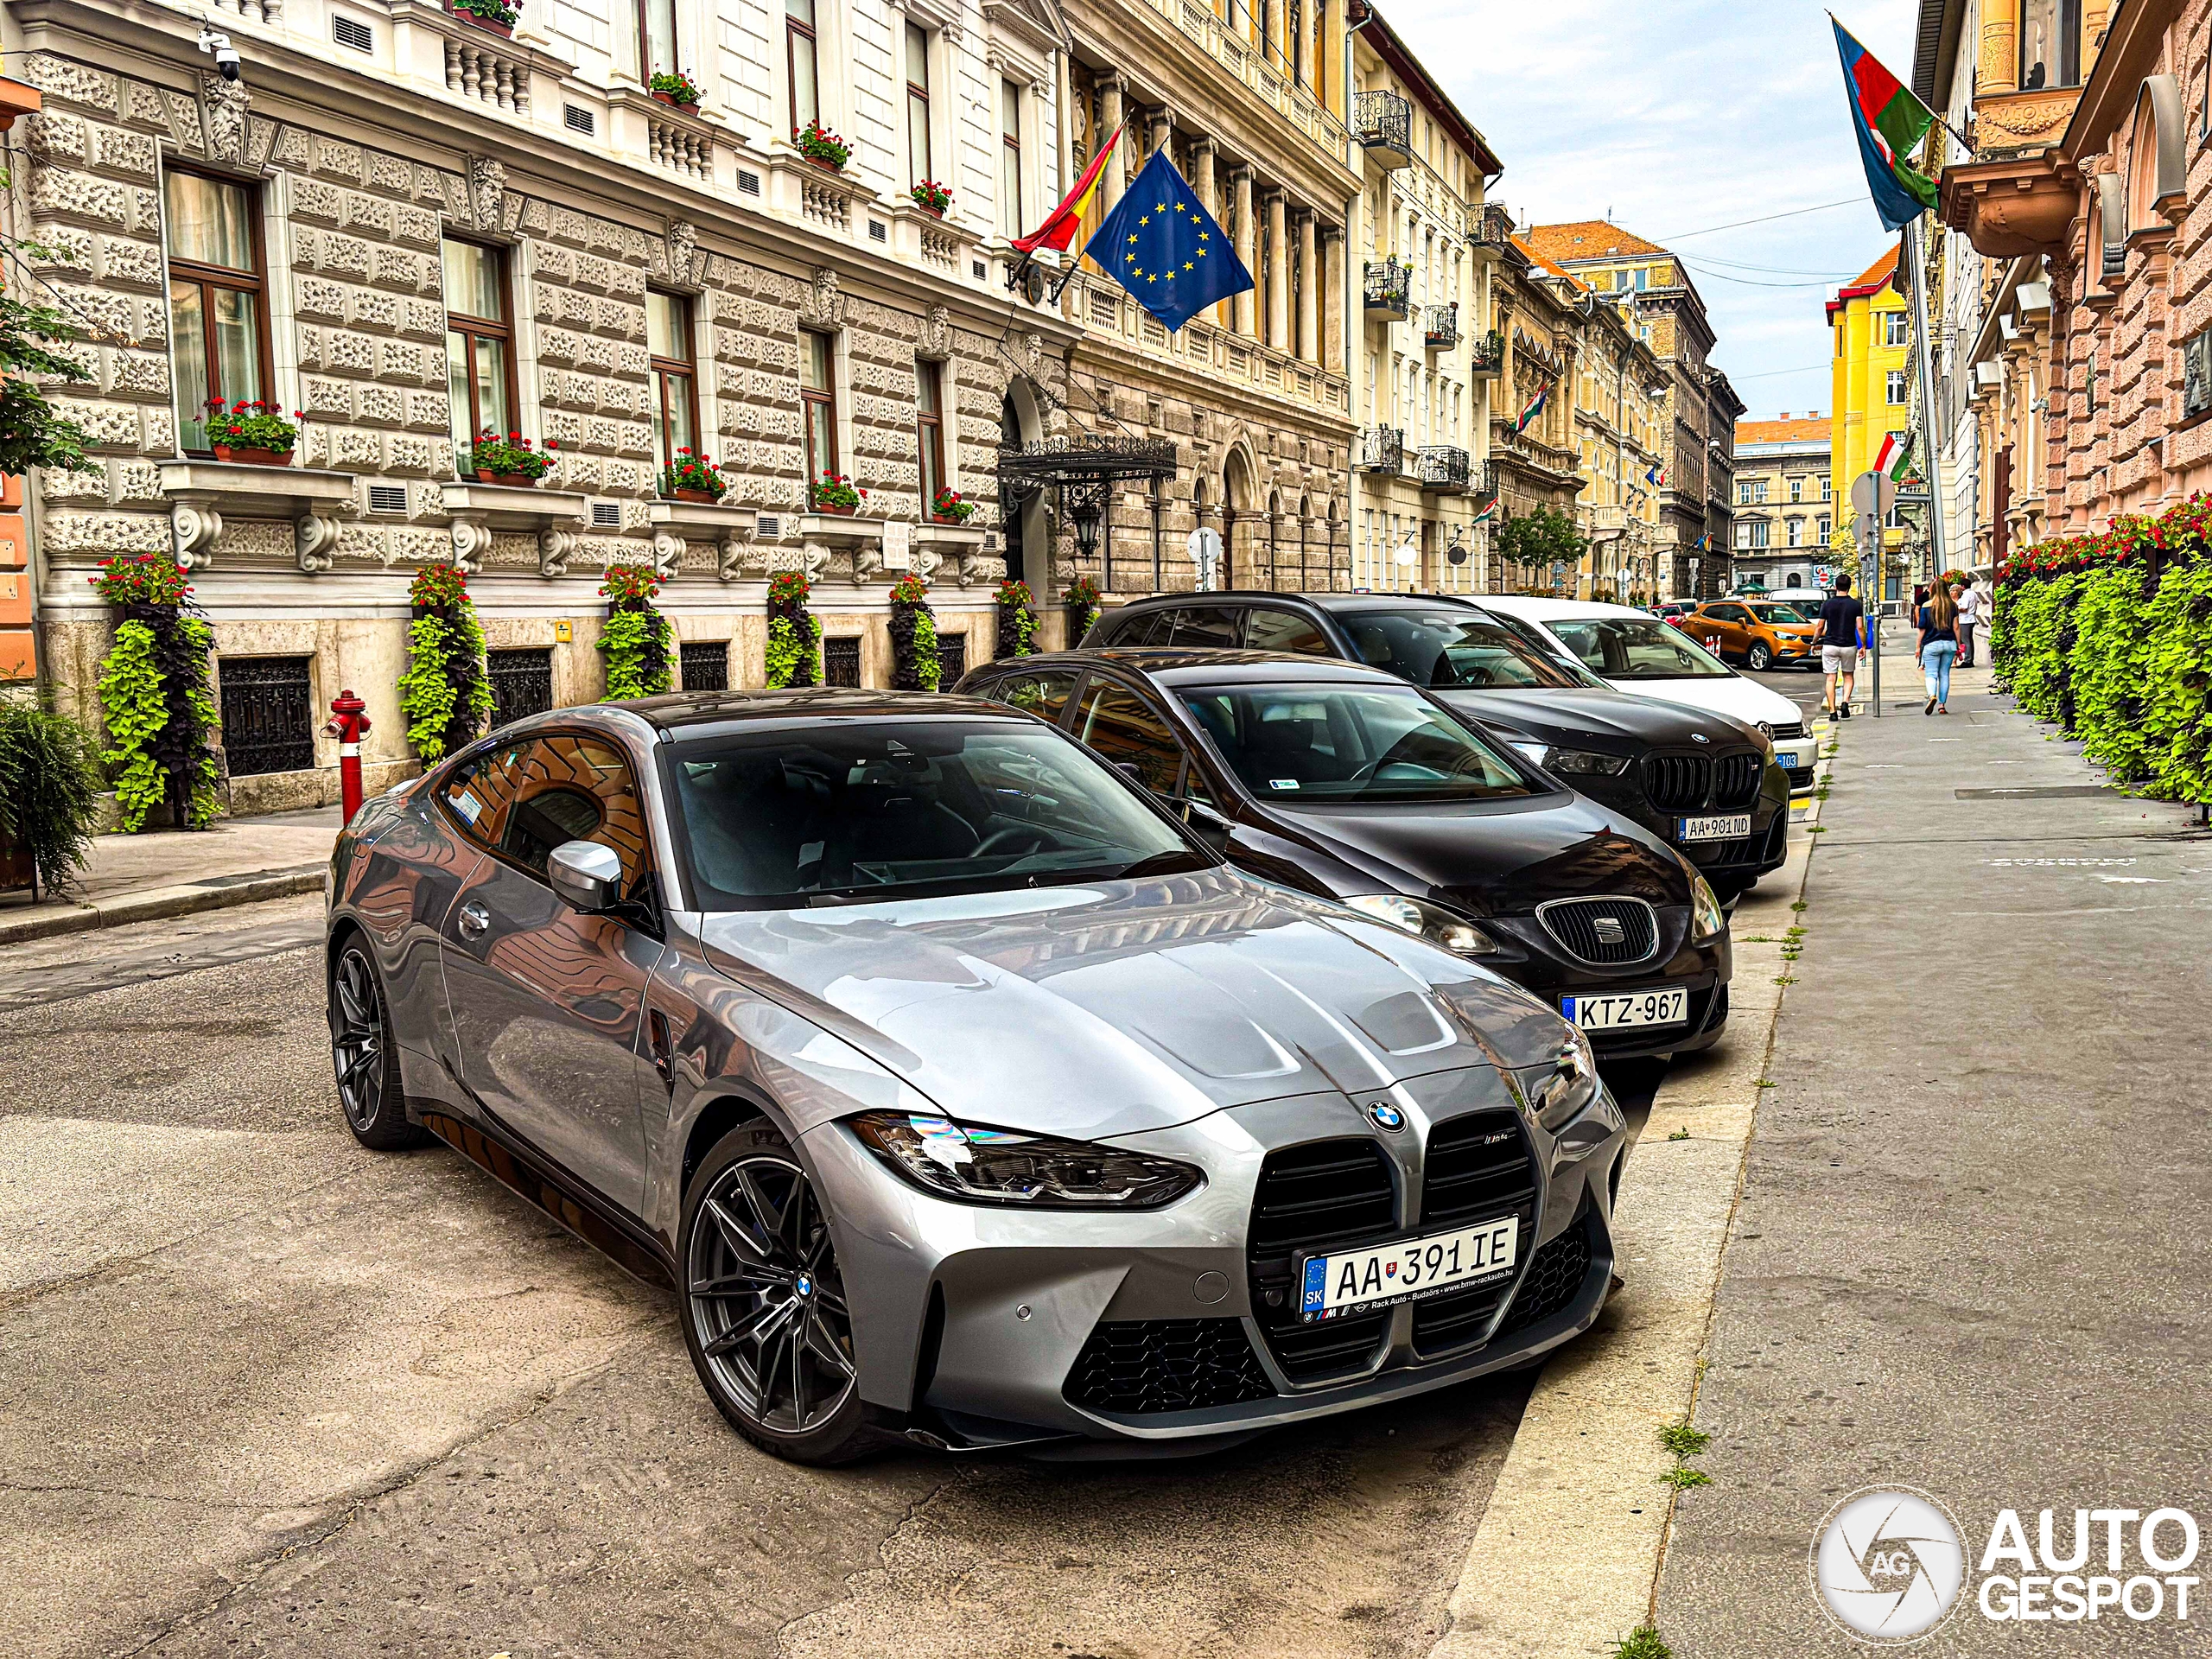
(176, 873)
(1969, 1254)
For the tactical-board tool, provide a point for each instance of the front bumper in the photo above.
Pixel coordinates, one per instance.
(1160, 1333)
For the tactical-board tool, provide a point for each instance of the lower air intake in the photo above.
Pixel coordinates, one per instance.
(1133, 1366)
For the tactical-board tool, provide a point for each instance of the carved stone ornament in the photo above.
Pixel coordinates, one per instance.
(667, 554)
(682, 253)
(1032, 352)
(471, 543)
(925, 563)
(197, 531)
(227, 102)
(315, 538)
(824, 305)
(487, 191)
(867, 562)
(737, 553)
(555, 548)
(936, 342)
(814, 559)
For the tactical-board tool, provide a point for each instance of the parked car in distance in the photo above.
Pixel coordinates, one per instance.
(1759, 634)
(1673, 610)
(1344, 782)
(963, 1094)
(1632, 652)
(1700, 781)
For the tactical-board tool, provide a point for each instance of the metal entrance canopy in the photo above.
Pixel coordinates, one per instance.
(1084, 469)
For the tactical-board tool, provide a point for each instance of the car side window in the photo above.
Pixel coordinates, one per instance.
(560, 788)
(1729, 614)
(479, 791)
(1120, 726)
(1266, 630)
(1045, 696)
(1210, 627)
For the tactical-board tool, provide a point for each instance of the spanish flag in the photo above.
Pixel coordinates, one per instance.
(1057, 231)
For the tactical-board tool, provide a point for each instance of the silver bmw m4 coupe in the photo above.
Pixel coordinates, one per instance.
(962, 1095)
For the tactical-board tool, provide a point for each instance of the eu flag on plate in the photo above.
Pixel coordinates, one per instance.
(1163, 246)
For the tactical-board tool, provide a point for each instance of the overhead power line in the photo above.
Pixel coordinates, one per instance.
(1764, 218)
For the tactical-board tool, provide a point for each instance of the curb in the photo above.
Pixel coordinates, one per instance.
(1568, 1555)
(159, 904)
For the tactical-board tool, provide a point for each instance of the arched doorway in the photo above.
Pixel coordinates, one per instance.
(1305, 518)
(1028, 538)
(1274, 541)
(1236, 516)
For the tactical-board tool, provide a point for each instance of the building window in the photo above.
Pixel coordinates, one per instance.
(268, 714)
(817, 396)
(918, 104)
(1896, 328)
(840, 661)
(522, 683)
(1825, 527)
(675, 382)
(1894, 383)
(1797, 489)
(1010, 157)
(1839, 340)
(1796, 533)
(480, 341)
(1827, 491)
(656, 37)
(704, 665)
(929, 426)
(801, 62)
(2050, 44)
(218, 300)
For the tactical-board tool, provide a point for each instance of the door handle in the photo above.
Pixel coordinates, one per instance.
(661, 1040)
(474, 918)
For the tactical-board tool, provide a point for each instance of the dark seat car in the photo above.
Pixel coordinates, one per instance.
(1340, 780)
(1704, 783)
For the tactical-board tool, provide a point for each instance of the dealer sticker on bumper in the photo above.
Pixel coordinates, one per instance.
(1725, 826)
(1328, 1285)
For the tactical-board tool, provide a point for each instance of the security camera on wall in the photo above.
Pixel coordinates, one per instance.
(225, 54)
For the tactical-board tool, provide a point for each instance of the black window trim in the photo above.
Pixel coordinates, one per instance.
(1140, 687)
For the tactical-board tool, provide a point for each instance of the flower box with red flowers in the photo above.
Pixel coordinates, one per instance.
(692, 477)
(254, 434)
(835, 492)
(931, 197)
(823, 147)
(675, 88)
(490, 15)
(509, 459)
(951, 508)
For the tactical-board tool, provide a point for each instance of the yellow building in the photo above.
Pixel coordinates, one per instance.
(1873, 378)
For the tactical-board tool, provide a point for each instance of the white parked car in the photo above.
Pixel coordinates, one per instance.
(1633, 650)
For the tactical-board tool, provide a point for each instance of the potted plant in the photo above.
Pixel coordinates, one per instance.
(823, 147)
(931, 197)
(915, 664)
(50, 797)
(694, 478)
(675, 88)
(835, 492)
(492, 17)
(1082, 601)
(255, 434)
(509, 460)
(445, 693)
(793, 656)
(1017, 629)
(637, 641)
(157, 693)
(951, 508)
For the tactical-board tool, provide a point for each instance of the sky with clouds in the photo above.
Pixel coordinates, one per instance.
(1677, 116)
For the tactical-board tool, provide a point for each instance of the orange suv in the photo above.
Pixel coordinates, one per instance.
(1760, 633)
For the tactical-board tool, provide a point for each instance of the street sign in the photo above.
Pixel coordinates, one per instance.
(1874, 493)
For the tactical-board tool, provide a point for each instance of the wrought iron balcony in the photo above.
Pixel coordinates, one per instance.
(1492, 232)
(1441, 326)
(1486, 355)
(1444, 469)
(1380, 449)
(1482, 482)
(1383, 123)
(1390, 290)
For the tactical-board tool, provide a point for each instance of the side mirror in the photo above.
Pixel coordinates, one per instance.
(1134, 772)
(586, 876)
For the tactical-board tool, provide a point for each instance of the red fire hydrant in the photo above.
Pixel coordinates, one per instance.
(348, 724)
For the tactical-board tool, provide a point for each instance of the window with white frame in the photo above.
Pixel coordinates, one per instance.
(802, 64)
(1010, 222)
(918, 106)
(1896, 328)
(655, 38)
(1894, 383)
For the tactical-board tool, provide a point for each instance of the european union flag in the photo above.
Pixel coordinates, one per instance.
(1165, 247)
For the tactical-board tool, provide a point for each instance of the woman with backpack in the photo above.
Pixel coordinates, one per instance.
(1938, 646)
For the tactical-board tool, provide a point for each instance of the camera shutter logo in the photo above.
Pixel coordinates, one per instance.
(1888, 1564)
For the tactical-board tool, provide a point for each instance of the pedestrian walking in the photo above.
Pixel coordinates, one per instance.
(1968, 600)
(1938, 646)
(1839, 630)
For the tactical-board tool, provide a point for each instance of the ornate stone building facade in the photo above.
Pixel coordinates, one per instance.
(1785, 506)
(1537, 308)
(410, 228)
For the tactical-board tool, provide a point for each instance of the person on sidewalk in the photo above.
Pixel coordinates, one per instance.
(1939, 644)
(1968, 601)
(1837, 630)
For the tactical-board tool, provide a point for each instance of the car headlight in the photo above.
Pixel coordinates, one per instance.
(1432, 922)
(1708, 921)
(1032, 1171)
(1584, 763)
(1572, 1085)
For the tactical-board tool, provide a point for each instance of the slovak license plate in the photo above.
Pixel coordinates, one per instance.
(1725, 826)
(1405, 1271)
(1627, 1008)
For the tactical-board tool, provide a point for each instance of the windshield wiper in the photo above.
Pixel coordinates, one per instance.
(1176, 861)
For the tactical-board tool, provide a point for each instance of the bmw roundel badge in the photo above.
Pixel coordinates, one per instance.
(1700, 737)
(1386, 1116)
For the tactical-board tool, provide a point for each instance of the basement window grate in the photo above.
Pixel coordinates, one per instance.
(387, 498)
(351, 31)
(579, 120)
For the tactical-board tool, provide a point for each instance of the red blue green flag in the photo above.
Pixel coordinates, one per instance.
(1890, 122)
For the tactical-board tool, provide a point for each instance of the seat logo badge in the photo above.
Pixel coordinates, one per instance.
(1385, 1116)
(1610, 930)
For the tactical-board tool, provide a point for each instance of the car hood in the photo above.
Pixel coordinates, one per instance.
(1118, 1006)
(1742, 699)
(1610, 723)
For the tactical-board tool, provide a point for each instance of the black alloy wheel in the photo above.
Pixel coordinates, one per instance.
(1761, 658)
(765, 1311)
(364, 1055)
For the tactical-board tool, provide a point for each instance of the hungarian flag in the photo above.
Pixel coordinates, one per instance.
(1890, 122)
(1489, 511)
(1534, 407)
(1895, 458)
(1057, 231)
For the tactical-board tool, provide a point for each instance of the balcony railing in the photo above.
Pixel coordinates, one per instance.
(1380, 449)
(1441, 328)
(1383, 123)
(1389, 289)
(1444, 468)
(1482, 482)
(1492, 230)
(1486, 355)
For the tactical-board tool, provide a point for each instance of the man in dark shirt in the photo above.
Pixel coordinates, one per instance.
(1836, 631)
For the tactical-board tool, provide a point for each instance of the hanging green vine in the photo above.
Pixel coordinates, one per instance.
(793, 657)
(445, 693)
(154, 685)
(637, 641)
(915, 665)
(1017, 629)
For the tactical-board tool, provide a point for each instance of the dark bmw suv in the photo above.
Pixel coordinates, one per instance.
(1706, 784)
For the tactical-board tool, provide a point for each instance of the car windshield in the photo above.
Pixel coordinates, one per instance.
(1529, 635)
(1779, 613)
(1636, 648)
(1296, 745)
(837, 811)
(1446, 648)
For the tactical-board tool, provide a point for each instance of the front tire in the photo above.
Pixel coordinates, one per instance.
(363, 1054)
(763, 1304)
(1760, 658)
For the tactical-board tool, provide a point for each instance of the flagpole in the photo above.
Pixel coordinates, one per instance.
(1914, 233)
